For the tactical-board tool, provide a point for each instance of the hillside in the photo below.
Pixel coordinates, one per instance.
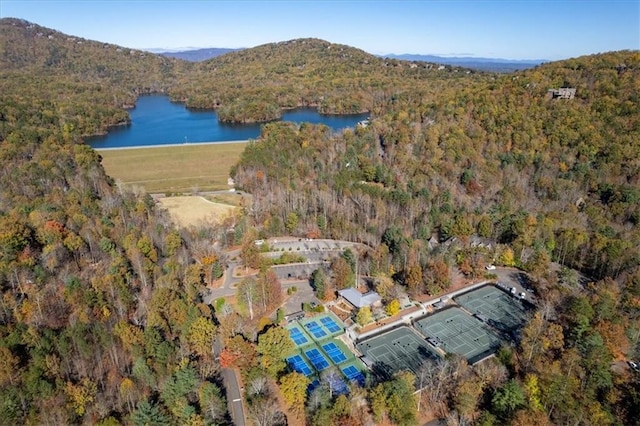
(100, 314)
(29, 47)
(501, 152)
(250, 85)
(255, 84)
(479, 64)
(87, 82)
(495, 172)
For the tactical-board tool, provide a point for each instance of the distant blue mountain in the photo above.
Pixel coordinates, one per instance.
(195, 55)
(482, 64)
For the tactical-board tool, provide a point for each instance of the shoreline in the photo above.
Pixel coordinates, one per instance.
(170, 145)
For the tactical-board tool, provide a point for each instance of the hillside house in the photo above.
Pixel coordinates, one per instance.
(563, 93)
(481, 242)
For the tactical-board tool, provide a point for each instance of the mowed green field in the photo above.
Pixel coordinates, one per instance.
(181, 169)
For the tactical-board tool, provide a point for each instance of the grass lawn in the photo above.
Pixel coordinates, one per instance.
(175, 169)
(195, 211)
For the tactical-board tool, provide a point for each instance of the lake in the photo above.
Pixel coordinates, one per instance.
(157, 121)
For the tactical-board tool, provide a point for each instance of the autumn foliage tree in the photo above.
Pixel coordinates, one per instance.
(273, 346)
(294, 391)
(201, 334)
(342, 273)
(239, 353)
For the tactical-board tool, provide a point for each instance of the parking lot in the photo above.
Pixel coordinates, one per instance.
(315, 253)
(308, 244)
(516, 279)
(302, 294)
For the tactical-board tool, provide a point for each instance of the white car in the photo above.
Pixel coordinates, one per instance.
(490, 267)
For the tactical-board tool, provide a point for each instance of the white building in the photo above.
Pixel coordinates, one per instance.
(359, 300)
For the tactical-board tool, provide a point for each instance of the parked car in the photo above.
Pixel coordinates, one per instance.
(490, 267)
(634, 365)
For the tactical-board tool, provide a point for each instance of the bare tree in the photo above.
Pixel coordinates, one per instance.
(437, 381)
(247, 294)
(264, 411)
(258, 386)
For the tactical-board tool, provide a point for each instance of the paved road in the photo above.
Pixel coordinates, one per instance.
(234, 396)
(234, 392)
(296, 272)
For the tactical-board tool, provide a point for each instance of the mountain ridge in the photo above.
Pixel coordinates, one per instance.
(195, 55)
(478, 63)
(430, 57)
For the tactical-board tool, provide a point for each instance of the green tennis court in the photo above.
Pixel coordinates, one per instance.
(457, 332)
(504, 312)
(396, 350)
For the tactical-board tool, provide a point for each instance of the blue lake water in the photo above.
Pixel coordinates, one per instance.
(157, 121)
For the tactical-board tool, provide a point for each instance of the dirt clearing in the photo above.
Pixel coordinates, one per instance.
(189, 211)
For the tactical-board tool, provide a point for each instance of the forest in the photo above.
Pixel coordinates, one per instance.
(102, 319)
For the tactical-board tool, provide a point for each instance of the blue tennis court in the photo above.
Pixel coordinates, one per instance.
(299, 365)
(334, 352)
(330, 324)
(314, 384)
(315, 329)
(353, 374)
(338, 385)
(317, 359)
(297, 336)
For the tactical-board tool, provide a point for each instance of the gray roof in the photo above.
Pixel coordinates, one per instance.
(358, 299)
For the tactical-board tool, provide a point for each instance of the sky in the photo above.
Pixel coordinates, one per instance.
(510, 29)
